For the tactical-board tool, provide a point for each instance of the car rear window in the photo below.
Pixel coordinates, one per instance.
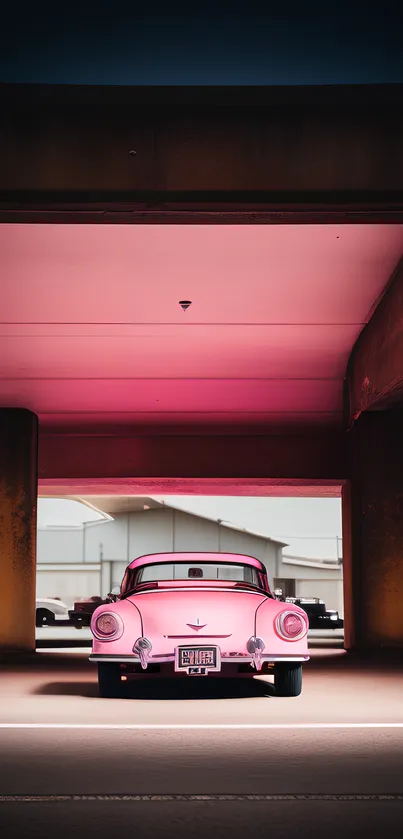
(194, 571)
(207, 571)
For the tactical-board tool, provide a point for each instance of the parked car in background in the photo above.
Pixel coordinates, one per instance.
(319, 617)
(49, 610)
(81, 613)
(198, 614)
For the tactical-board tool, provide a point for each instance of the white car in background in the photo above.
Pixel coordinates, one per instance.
(49, 610)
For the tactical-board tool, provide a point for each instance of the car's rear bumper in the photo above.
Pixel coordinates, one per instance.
(170, 658)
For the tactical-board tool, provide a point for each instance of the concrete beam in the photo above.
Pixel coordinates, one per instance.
(237, 487)
(307, 458)
(159, 154)
(375, 369)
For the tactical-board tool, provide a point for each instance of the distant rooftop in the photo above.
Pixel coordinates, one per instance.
(96, 509)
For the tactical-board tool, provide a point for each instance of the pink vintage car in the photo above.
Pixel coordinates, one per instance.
(198, 614)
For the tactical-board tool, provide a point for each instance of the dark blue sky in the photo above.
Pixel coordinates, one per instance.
(210, 43)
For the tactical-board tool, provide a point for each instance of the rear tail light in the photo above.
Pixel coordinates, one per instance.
(291, 626)
(107, 627)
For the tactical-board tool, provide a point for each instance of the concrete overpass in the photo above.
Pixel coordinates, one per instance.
(279, 214)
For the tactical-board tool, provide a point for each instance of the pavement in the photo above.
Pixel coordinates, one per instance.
(329, 760)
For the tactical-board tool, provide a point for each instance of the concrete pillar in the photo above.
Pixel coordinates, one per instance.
(18, 504)
(373, 533)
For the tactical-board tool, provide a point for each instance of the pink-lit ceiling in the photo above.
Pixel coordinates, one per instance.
(91, 329)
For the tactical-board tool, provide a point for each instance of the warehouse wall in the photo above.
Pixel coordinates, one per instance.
(150, 532)
(310, 572)
(191, 533)
(331, 591)
(311, 581)
(131, 535)
(106, 540)
(60, 545)
(113, 544)
(245, 543)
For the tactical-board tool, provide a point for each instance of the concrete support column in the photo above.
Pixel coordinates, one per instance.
(18, 505)
(373, 533)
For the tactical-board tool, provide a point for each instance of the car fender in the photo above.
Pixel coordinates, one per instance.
(265, 628)
(131, 618)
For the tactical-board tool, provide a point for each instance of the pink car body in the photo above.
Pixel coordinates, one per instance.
(218, 619)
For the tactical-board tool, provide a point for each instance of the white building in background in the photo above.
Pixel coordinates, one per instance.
(90, 559)
(303, 577)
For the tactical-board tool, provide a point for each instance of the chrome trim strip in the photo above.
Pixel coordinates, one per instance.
(195, 637)
(171, 658)
(164, 655)
(114, 658)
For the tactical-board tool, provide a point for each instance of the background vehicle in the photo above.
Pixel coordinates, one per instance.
(84, 609)
(319, 617)
(49, 610)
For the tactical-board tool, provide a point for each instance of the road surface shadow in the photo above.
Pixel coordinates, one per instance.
(167, 689)
(198, 819)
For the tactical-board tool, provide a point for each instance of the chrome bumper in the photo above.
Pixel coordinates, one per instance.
(170, 657)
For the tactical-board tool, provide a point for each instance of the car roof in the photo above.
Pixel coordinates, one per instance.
(197, 556)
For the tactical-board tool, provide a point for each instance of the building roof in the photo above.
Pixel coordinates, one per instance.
(326, 565)
(115, 504)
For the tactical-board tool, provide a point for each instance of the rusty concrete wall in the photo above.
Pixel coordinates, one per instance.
(18, 505)
(374, 512)
(375, 369)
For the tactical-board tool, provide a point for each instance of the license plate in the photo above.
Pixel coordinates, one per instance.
(197, 660)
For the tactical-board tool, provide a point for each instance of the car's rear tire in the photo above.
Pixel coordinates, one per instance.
(109, 682)
(44, 617)
(288, 679)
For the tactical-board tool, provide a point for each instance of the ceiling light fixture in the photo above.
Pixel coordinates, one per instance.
(185, 304)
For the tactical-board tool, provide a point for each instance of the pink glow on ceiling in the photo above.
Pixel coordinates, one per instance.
(247, 274)
(228, 352)
(193, 396)
(91, 324)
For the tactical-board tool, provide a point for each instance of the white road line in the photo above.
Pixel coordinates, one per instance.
(197, 726)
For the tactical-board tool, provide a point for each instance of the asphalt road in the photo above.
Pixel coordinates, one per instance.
(342, 737)
(229, 819)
